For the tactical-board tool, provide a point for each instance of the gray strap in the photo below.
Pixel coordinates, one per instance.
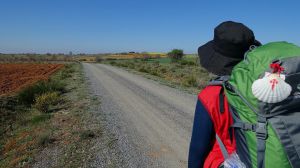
(244, 126)
(222, 147)
(219, 80)
(215, 83)
(225, 77)
(261, 136)
(261, 147)
(238, 123)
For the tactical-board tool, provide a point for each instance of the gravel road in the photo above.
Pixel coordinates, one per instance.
(152, 122)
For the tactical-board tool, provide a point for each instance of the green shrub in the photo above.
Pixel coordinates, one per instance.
(44, 101)
(190, 81)
(154, 72)
(163, 70)
(45, 138)
(131, 65)
(143, 69)
(193, 63)
(40, 118)
(68, 67)
(27, 95)
(182, 75)
(123, 64)
(112, 63)
(178, 66)
(176, 54)
(65, 74)
(173, 69)
(67, 71)
(186, 62)
(183, 62)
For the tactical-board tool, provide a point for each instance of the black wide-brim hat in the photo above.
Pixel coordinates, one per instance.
(231, 41)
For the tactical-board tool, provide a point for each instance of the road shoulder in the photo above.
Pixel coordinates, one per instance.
(78, 131)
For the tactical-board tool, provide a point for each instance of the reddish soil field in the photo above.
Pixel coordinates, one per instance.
(13, 77)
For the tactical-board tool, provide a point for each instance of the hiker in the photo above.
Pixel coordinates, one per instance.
(231, 41)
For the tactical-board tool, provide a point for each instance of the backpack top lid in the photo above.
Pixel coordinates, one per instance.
(255, 66)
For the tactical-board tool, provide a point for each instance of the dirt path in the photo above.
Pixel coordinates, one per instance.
(152, 122)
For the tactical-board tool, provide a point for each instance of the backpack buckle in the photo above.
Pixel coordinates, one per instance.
(249, 127)
(228, 86)
(261, 130)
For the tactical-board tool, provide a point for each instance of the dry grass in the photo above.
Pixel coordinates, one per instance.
(85, 58)
(186, 74)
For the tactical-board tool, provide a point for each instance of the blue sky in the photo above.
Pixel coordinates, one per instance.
(98, 26)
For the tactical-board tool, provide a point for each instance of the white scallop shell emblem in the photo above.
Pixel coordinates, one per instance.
(271, 88)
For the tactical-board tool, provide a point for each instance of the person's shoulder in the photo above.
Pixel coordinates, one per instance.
(210, 94)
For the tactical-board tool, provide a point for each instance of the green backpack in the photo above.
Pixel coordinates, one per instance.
(267, 134)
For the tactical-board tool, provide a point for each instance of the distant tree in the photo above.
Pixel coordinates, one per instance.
(176, 54)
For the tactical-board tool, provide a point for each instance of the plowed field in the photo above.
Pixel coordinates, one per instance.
(13, 77)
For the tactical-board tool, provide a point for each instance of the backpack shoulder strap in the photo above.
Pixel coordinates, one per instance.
(222, 147)
(219, 81)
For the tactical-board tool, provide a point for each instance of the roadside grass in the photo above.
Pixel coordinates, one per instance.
(25, 126)
(162, 60)
(50, 114)
(186, 74)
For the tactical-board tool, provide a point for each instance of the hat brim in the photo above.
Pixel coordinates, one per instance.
(257, 43)
(214, 61)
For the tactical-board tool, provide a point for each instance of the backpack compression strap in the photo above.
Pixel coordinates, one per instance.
(261, 136)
